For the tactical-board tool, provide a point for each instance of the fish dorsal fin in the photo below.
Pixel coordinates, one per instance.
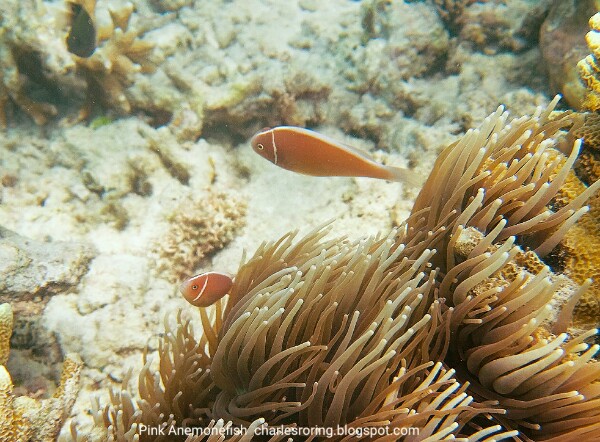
(354, 150)
(359, 152)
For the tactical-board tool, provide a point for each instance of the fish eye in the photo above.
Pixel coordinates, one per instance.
(260, 146)
(194, 287)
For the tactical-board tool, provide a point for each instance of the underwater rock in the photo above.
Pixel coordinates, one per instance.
(32, 269)
(37, 70)
(32, 272)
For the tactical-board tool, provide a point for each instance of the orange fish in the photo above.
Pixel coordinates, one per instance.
(206, 288)
(310, 153)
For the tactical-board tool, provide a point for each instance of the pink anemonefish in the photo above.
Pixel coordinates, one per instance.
(206, 288)
(310, 153)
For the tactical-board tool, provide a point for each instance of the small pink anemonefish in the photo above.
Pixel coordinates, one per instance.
(206, 288)
(310, 153)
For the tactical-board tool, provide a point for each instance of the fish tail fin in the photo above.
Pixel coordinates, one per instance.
(406, 176)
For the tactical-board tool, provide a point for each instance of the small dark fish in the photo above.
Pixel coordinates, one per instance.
(81, 40)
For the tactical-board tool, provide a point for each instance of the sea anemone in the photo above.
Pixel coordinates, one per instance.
(450, 324)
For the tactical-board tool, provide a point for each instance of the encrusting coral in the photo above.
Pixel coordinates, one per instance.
(589, 67)
(451, 324)
(6, 327)
(22, 418)
(578, 254)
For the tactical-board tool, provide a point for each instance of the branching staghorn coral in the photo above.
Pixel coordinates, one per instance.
(451, 324)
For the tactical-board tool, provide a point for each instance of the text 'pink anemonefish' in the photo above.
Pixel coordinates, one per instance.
(310, 153)
(206, 288)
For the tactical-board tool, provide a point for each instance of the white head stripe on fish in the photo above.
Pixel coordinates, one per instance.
(274, 147)
(304, 151)
(202, 290)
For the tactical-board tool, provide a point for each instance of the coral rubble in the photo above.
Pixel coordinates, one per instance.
(451, 323)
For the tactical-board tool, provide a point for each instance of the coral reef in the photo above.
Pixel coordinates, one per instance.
(200, 225)
(34, 60)
(325, 332)
(491, 26)
(588, 67)
(562, 45)
(587, 167)
(39, 73)
(577, 254)
(119, 55)
(22, 418)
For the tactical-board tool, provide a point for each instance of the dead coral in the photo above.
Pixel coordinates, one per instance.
(198, 227)
(24, 419)
(451, 10)
(493, 26)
